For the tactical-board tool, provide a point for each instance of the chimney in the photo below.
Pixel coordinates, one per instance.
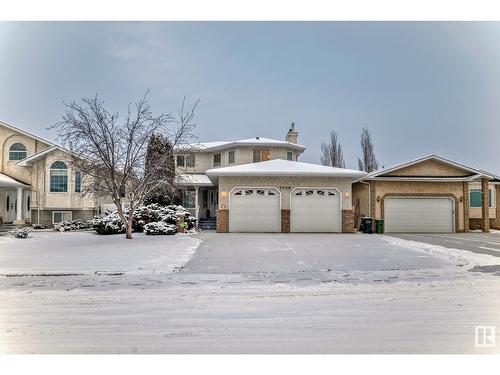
(292, 135)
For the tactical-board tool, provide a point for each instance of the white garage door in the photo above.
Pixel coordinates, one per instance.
(419, 215)
(255, 210)
(315, 210)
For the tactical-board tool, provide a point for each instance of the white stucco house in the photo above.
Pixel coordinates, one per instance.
(258, 185)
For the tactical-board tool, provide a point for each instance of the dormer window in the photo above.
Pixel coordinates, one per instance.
(260, 155)
(17, 151)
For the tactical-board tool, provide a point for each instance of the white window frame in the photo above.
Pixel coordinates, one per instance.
(291, 155)
(62, 216)
(229, 157)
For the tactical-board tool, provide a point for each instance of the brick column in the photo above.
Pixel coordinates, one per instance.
(285, 221)
(485, 217)
(348, 221)
(222, 221)
(465, 202)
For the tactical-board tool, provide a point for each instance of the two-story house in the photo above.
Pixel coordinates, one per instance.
(258, 185)
(36, 183)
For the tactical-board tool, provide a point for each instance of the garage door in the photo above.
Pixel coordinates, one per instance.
(419, 215)
(255, 210)
(315, 210)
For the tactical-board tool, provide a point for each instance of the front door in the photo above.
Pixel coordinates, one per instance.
(209, 203)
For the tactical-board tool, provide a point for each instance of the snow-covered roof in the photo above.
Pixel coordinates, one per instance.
(279, 167)
(224, 145)
(7, 181)
(194, 179)
(394, 167)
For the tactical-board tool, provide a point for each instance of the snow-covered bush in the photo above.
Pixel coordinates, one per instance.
(69, 225)
(159, 227)
(20, 232)
(110, 222)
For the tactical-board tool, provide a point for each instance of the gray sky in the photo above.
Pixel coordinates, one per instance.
(419, 87)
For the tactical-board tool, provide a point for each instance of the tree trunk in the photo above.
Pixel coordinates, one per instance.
(128, 230)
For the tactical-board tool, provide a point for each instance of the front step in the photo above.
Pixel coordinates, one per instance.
(207, 223)
(6, 228)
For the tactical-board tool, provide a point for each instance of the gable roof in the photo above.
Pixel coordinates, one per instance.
(224, 145)
(7, 181)
(475, 172)
(28, 162)
(24, 132)
(279, 167)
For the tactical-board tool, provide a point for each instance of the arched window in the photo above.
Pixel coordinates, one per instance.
(58, 177)
(17, 151)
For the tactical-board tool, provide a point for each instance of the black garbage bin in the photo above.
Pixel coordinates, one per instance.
(366, 225)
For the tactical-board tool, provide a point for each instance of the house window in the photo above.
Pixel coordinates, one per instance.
(475, 198)
(58, 177)
(190, 161)
(289, 155)
(17, 151)
(181, 161)
(230, 157)
(59, 216)
(78, 182)
(28, 204)
(188, 198)
(216, 160)
(260, 155)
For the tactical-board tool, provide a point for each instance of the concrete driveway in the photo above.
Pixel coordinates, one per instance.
(479, 243)
(231, 253)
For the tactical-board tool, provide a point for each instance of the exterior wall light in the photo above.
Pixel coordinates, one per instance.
(223, 194)
(346, 194)
(378, 198)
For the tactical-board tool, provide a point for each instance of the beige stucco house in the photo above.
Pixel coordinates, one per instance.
(258, 185)
(429, 194)
(36, 184)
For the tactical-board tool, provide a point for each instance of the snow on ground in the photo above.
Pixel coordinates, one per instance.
(88, 252)
(262, 293)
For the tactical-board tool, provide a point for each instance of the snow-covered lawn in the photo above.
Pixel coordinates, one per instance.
(245, 294)
(88, 253)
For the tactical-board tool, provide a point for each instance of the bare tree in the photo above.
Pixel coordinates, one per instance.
(368, 162)
(111, 155)
(331, 152)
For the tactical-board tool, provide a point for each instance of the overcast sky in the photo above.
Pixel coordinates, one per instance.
(420, 88)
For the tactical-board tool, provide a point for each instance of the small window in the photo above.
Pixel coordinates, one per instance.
(248, 192)
(17, 151)
(8, 203)
(475, 198)
(78, 182)
(239, 192)
(60, 216)
(321, 193)
(289, 155)
(261, 192)
(331, 193)
(309, 192)
(181, 161)
(216, 160)
(58, 177)
(190, 161)
(188, 198)
(230, 157)
(298, 193)
(28, 204)
(270, 192)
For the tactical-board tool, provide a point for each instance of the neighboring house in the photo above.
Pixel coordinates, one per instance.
(36, 184)
(429, 194)
(257, 185)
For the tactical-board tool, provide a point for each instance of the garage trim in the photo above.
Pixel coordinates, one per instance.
(251, 187)
(421, 195)
(320, 187)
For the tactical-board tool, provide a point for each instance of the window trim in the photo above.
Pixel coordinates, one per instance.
(62, 214)
(58, 169)
(233, 152)
(18, 151)
(183, 160)
(491, 197)
(220, 160)
(260, 152)
(291, 155)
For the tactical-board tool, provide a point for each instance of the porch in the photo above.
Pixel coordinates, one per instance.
(199, 196)
(15, 200)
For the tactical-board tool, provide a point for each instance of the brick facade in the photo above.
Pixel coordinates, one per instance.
(285, 221)
(222, 221)
(348, 221)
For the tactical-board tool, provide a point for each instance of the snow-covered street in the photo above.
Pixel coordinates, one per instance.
(242, 293)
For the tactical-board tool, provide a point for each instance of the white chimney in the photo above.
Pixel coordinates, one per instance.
(292, 135)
